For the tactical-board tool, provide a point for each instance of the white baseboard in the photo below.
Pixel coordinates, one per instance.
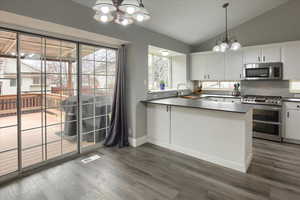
(212, 159)
(249, 160)
(136, 142)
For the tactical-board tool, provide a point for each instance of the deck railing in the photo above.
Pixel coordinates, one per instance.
(29, 102)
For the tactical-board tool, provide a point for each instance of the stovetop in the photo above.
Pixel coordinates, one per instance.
(262, 100)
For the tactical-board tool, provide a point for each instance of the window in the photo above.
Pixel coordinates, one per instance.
(295, 86)
(159, 71)
(13, 82)
(36, 80)
(219, 85)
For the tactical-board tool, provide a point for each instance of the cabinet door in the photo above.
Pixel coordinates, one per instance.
(271, 54)
(215, 66)
(158, 124)
(198, 67)
(252, 55)
(291, 61)
(233, 65)
(292, 124)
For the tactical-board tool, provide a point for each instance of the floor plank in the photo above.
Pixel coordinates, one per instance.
(150, 172)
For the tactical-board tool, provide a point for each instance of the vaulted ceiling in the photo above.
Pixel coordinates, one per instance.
(195, 21)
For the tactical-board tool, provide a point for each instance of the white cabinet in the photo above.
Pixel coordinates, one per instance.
(291, 61)
(215, 66)
(208, 66)
(233, 65)
(158, 123)
(198, 66)
(252, 55)
(292, 120)
(270, 53)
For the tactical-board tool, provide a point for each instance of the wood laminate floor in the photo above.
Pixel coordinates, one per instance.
(153, 173)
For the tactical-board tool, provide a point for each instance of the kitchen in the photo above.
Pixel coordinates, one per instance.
(262, 80)
(148, 99)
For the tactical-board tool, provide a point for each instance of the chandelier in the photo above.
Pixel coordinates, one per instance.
(124, 12)
(226, 43)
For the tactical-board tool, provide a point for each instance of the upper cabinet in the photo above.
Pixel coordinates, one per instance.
(291, 61)
(207, 66)
(271, 54)
(198, 66)
(252, 55)
(215, 66)
(233, 65)
(262, 54)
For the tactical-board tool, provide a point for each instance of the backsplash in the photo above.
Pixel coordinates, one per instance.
(267, 88)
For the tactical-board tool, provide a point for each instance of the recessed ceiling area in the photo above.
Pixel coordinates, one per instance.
(195, 21)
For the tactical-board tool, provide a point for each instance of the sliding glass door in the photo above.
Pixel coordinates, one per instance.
(42, 80)
(8, 103)
(97, 83)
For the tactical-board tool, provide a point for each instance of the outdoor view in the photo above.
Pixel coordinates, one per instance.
(48, 87)
(159, 72)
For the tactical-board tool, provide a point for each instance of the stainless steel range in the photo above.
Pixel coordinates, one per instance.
(267, 118)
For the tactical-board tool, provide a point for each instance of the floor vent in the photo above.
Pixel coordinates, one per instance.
(90, 159)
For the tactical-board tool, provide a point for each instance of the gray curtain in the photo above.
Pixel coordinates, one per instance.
(118, 131)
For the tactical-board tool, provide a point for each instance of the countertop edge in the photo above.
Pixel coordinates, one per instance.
(196, 107)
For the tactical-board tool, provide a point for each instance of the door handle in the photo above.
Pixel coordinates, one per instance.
(288, 114)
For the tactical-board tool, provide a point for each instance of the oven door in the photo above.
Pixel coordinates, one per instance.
(267, 122)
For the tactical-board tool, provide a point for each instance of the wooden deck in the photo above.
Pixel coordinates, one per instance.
(33, 140)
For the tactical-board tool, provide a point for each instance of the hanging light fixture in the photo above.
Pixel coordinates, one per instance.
(124, 12)
(226, 43)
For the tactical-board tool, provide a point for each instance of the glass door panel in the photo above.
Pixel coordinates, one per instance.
(97, 81)
(8, 103)
(32, 99)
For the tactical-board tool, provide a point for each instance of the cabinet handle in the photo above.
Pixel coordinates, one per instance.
(208, 76)
(240, 75)
(258, 57)
(298, 106)
(288, 114)
(264, 58)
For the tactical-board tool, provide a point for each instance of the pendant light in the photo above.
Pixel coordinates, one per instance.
(226, 43)
(123, 12)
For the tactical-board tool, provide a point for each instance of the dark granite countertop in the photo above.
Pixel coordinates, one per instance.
(202, 104)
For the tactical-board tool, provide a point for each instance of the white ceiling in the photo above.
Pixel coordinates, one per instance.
(195, 21)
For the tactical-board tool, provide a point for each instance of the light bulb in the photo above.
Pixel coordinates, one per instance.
(125, 22)
(235, 46)
(104, 18)
(224, 46)
(104, 9)
(217, 48)
(130, 10)
(140, 17)
(164, 52)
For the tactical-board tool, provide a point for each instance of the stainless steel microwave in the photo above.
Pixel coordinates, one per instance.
(263, 71)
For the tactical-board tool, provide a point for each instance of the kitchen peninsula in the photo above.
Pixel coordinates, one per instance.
(218, 132)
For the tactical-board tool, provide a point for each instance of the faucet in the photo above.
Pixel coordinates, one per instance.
(180, 93)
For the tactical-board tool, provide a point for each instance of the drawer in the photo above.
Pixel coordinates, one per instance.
(292, 106)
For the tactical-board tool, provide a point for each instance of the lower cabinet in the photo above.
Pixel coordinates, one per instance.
(158, 123)
(292, 119)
